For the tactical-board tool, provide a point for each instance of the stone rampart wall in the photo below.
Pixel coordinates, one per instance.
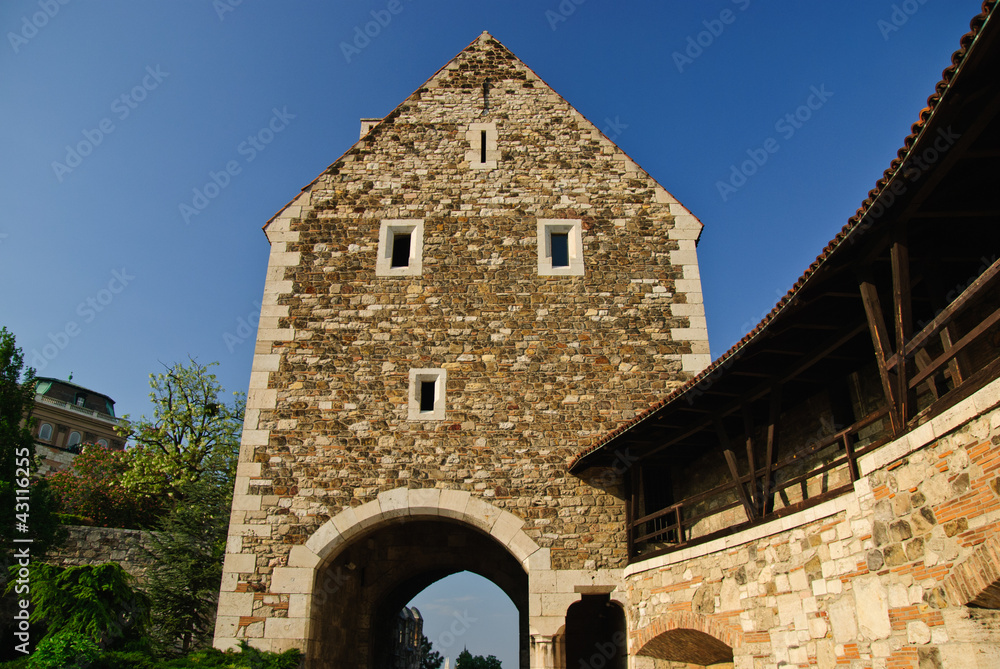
(96, 545)
(880, 577)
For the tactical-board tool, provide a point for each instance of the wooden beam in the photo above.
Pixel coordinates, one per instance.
(880, 340)
(748, 431)
(727, 451)
(740, 492)
(774, 411)
(632, 483)
(903, 319)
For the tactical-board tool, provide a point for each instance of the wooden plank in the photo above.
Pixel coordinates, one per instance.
(880, 340)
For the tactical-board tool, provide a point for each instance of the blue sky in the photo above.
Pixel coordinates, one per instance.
(115, 113)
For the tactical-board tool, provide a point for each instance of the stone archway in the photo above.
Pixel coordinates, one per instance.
(689, 638)
(358, 569)
(976, 581)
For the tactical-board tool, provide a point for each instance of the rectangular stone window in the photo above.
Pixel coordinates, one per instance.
(560, 247)
(483, 153)
(400, 248)
(427, 394)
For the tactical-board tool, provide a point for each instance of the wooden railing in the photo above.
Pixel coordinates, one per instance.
(670, 527)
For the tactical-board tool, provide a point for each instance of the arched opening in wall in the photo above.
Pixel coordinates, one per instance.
(467, 611)
(595, 634)
(360, 592)
(684, 648)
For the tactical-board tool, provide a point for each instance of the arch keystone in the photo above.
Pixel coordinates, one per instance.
(424, 501)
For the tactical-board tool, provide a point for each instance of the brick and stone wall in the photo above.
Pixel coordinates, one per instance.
(536, 365)
(96, 545)
(880, 577)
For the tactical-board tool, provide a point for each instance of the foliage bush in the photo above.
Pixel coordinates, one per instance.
(59, 654)
(92, 489)
(65, 650)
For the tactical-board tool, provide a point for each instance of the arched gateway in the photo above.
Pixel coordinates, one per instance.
(366, 563)
(476, 290)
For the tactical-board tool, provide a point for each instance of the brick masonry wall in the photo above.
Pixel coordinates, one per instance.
(881, 580)
(537, 365)
(96, 545)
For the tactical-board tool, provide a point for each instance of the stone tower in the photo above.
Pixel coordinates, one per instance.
(479, 287)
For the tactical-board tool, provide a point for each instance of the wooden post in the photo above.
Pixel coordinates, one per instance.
(903, 317)
(880, 340)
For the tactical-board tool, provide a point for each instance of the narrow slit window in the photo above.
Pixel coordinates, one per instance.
(427, 395)
(400, 249)
(560, 249)
(482, 146)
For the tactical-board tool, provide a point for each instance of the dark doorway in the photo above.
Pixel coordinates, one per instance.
(595, 634)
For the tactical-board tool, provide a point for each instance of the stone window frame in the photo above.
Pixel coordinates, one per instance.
(474, 136)
(69, 440)
(42, 435)
(387, 231)
(574, 229)
(417, 377)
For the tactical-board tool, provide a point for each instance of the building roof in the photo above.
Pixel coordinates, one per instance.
(981, 45)
(48, 379)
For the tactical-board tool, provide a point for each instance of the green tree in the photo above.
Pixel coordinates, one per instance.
(98, 602)
(467, 660)
(92, 489)
(192, 436)
(31, 515)
(429, 658)
(186, 574)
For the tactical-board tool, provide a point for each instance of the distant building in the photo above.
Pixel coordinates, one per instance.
(406, 649)
(66, 416)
